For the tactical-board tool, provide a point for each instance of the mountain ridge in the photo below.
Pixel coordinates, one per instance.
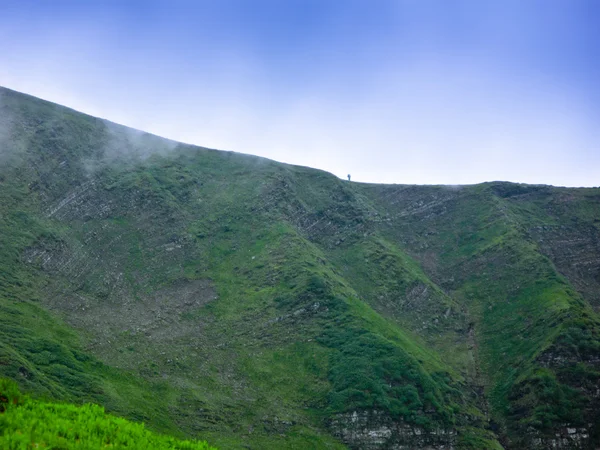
(176, 142)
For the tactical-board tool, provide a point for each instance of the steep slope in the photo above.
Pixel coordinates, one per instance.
(251, 303)
(534, 337)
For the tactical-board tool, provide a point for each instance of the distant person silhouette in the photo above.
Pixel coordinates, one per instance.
(348, 177)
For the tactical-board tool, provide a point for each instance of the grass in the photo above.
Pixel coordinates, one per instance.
(27, 423)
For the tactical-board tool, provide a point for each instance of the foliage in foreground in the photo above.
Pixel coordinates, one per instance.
(26, 423)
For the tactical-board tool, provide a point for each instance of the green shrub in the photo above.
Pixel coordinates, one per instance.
(26, 423)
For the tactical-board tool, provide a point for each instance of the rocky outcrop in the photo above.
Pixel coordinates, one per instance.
(575, 251)
(375, 430)
(566, 437)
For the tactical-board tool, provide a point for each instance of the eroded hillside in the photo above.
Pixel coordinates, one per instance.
(255, 304)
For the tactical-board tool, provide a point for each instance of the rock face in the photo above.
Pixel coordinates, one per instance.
(575, 250)
(372, 430)
(564, 438)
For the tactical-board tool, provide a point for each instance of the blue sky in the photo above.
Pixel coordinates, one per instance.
(405, 91)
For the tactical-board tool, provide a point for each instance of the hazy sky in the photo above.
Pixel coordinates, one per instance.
(405, 91)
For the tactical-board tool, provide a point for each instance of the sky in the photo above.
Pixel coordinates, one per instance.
(389, 91)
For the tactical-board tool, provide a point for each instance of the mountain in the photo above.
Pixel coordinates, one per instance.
(254, 304)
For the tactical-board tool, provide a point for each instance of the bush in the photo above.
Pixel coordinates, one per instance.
(27, 423)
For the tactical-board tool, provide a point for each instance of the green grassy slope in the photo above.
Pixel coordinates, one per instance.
(255, 304)
(522, 311)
